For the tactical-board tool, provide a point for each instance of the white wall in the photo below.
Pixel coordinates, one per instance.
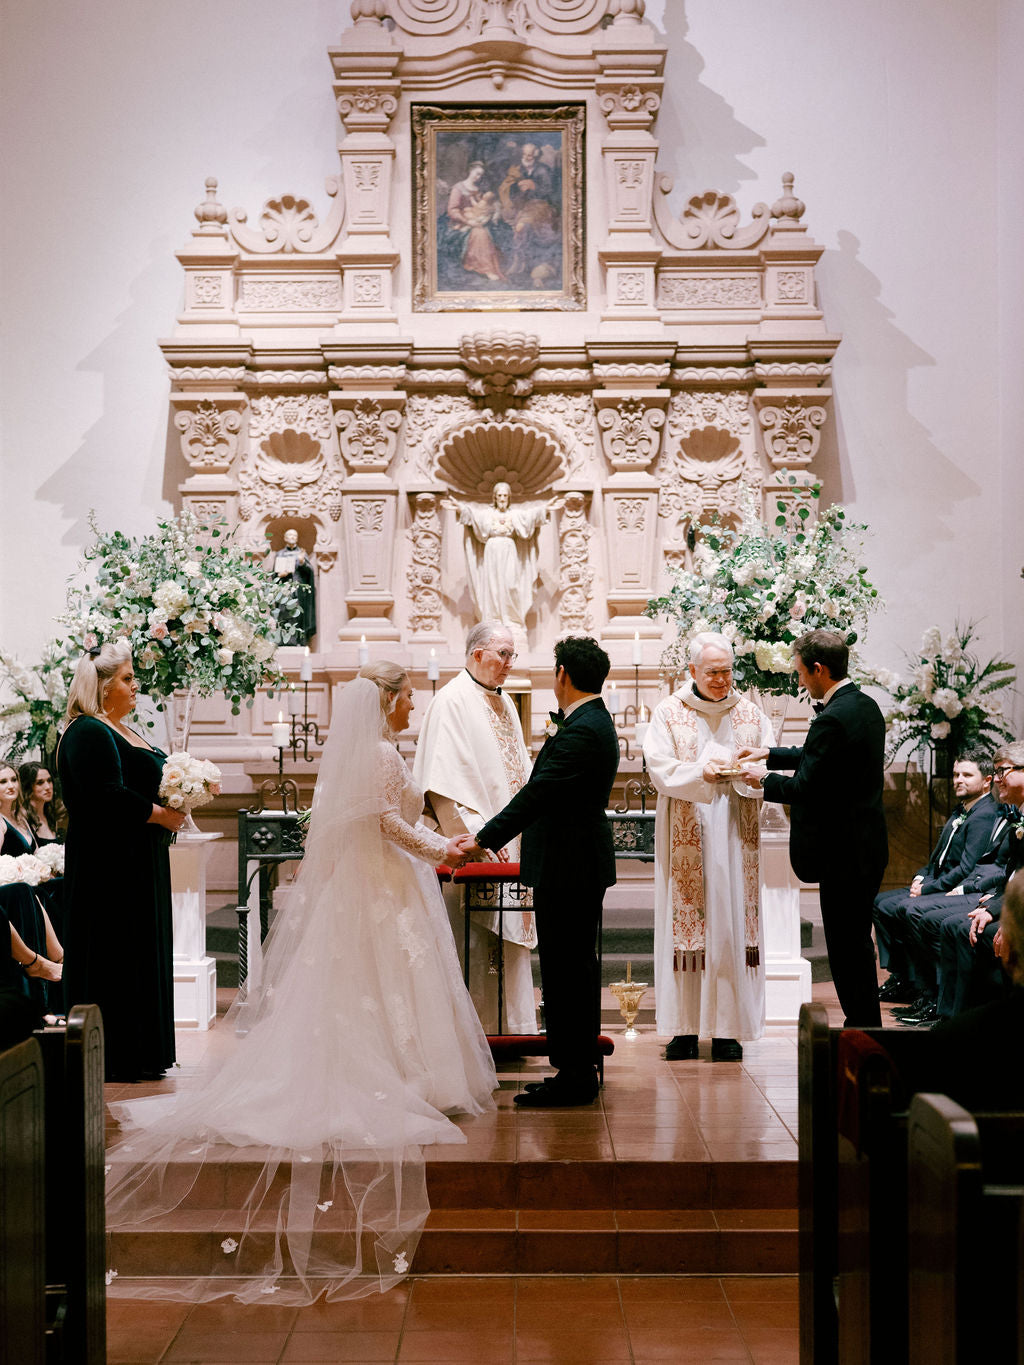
(902, 123)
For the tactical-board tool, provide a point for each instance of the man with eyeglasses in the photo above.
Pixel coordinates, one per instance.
(708, 941)
(950, 938)
(471, 759)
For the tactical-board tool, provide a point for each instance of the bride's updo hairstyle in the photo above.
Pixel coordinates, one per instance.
(95, 670)
(390, 679)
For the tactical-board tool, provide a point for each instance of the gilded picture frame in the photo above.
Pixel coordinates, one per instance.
(498, 196)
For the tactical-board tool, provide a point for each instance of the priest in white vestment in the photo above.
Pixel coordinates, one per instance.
(471, 759)
(708, 940)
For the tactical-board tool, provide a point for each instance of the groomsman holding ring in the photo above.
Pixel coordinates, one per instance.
(567, 856)
(838, 836)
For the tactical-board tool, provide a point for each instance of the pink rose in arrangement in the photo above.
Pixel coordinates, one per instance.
(159, 631)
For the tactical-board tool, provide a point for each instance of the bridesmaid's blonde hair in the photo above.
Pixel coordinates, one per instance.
(92, 676)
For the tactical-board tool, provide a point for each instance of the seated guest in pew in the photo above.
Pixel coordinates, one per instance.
(942, 930)
(976, 1056)
(14, 825)
(964, 839)
(26, 908)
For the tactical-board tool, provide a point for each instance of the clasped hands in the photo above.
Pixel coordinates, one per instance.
(463, 848)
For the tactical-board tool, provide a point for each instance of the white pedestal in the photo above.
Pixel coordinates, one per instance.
(787, 974)
(195, 974)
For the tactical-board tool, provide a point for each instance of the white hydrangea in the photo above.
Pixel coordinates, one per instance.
(931, 643)
(948, 701)
(170, 598)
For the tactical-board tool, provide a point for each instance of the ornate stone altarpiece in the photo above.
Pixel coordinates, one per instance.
(319, 380)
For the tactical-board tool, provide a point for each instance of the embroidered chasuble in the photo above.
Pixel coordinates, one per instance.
(709, 954)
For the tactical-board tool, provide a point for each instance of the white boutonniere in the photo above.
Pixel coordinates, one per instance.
(555, 722)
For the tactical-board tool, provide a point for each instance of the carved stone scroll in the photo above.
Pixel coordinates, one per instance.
(575, 575)
(368, 426)
(424, 576)
(792, 426)
(630, 426)
(209, 430)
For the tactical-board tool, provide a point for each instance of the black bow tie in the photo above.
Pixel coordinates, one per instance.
(557, 717)
(819, 706)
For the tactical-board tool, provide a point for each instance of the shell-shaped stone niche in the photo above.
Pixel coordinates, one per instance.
(482, 454)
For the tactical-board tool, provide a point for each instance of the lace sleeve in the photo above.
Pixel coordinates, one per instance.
(415, 839)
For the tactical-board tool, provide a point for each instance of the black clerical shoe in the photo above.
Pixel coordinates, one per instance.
(682, 1048)
(530, 1086)
(726, 1050)
(899, 990)
(928, 1015)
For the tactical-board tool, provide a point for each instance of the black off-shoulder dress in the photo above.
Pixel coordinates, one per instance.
(117, 896)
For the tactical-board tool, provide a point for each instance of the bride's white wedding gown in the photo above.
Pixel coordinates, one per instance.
(360, 1040)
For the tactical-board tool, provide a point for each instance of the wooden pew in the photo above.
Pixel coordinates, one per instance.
(75, 1214)
(852, 1223)
(22, 1187)
(966, 1194)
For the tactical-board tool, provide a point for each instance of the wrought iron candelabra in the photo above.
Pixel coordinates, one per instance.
(283, 787)
(302, 731)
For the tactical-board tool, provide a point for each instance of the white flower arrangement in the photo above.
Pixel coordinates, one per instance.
(188, 782)
(32, 720)
(763, 587)
(27, 868)
(948, 697)
(200, 613)
(53, 856)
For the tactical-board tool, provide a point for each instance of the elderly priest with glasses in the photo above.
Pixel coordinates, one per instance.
(471, 759)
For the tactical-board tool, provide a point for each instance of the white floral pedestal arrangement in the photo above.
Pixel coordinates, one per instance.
(195, 973)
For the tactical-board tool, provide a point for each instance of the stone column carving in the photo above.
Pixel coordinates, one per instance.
(630, 424)
(575, 576)
(209, 425)
(366, 94)
(631, 531)
(629, 94)
(424, 576)
(792, 409)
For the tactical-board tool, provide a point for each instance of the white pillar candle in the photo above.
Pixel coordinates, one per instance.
(641, 724)
(294, 704)
(614, 701)
(279, 732)
(306, 670)
(638, 649)
(364, 653)
(433, 673)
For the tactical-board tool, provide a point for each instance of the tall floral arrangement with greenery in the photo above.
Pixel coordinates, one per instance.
(949, 696)
(763, 586)
(32, 720)
(200, 612)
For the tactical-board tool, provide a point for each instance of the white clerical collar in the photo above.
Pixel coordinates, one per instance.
(843, 682)
(689, 696)
(580, 701)
(484, 685)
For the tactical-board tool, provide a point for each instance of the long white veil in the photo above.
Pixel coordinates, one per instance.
(298, 1125)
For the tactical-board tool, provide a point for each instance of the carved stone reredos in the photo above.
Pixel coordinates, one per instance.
(501, 362)
(481, 454)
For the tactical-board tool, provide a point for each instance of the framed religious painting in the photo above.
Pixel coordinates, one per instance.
(498, 207)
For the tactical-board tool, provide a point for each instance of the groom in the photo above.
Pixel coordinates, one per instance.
(567, 857)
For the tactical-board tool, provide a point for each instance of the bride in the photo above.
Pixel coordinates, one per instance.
(347, 1057)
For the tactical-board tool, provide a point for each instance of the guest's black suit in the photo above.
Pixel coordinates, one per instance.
(566, 854)
(964, 839)
(838, 836)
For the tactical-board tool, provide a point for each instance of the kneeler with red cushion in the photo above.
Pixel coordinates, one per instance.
(489, 884)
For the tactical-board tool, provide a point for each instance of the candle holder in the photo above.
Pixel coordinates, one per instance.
(283, 787)
(304, 730)
(629, 994)
(640, 787)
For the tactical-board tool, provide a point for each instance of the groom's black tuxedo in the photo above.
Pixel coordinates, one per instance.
(566, 854)
(838, 836)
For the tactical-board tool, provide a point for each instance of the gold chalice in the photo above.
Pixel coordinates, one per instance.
(629, 994)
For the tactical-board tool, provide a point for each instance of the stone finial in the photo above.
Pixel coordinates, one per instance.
(788, 208)
(627, 11)
(210, 214)
(367, 12)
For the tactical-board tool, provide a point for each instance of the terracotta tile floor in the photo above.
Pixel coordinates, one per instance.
(650, 1110)
(504, 1321)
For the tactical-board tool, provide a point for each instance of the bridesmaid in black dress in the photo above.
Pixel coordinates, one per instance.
(43, 811)
(117, 878)
(23, 919)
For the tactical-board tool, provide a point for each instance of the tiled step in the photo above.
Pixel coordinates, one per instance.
(533, 1217)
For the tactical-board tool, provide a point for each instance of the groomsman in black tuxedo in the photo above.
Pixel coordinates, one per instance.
(837, 836)
(566, 855)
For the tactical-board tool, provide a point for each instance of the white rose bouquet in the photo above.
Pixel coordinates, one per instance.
(27, 868)
(53, 856)
(188, 782)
